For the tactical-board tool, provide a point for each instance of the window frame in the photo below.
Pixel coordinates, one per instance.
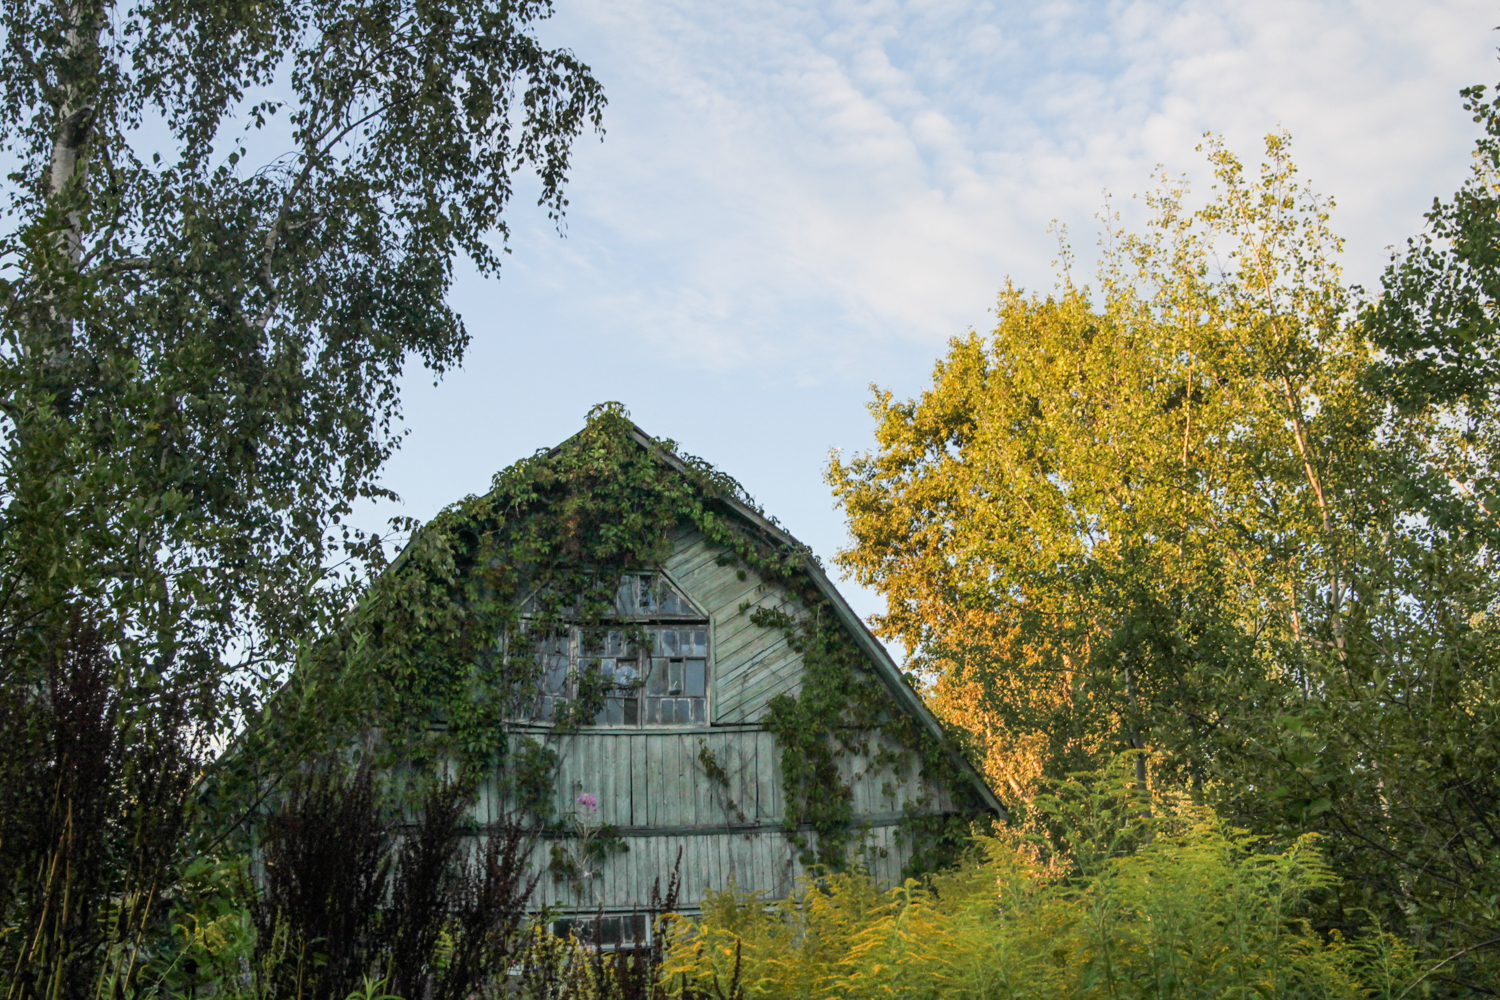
(571, 924)
(562, 659)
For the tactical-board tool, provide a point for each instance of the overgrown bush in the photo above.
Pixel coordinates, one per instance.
(96, 773)
(352, 894)
(355, 898)
(1155, 899)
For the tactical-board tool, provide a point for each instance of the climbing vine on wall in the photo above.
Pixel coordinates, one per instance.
(441, 648)
(840, 707)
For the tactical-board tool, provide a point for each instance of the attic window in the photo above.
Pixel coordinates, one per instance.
(643, 595)
(664, 682)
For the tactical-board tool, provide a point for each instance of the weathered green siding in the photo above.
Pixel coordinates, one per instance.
(651, 784)
(751, 665)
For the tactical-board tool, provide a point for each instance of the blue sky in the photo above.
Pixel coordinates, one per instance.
(796, 200)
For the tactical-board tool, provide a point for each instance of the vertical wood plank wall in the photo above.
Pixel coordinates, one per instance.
(652, 785)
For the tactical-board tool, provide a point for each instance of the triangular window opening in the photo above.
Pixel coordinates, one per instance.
(662, 683)
(649, 596)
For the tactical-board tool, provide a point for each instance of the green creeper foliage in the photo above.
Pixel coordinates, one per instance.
(437, 657)
(1176, 513)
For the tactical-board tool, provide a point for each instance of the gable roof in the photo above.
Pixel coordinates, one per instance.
(885, 667)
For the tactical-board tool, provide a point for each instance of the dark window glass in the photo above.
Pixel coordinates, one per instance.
(695, 684)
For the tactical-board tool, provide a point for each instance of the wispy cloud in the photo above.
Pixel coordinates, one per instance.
(785, 181)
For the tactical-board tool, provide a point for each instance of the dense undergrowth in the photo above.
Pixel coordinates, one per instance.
(1149, 898)
(1104, 891)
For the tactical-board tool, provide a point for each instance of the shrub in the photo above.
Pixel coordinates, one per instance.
(1183, 907)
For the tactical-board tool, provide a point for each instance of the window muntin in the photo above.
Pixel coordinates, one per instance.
(606, 932)
(667, 686)
(676, 689)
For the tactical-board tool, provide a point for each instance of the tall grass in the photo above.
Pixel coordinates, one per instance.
(1166, 903)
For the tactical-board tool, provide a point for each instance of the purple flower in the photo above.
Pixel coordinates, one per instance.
(588, 801)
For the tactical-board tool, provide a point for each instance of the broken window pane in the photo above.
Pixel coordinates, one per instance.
(657, 683)
(673, 683)
(625, 674)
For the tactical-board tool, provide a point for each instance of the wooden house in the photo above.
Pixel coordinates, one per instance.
(681, 762)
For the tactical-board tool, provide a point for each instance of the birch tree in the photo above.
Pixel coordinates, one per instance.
(230, 228)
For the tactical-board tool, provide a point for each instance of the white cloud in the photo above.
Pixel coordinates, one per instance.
(783, 180)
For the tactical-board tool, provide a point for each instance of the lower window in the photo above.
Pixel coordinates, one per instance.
(616, 930)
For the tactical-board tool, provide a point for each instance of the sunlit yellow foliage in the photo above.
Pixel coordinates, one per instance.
(1200, 910)
(1013, 760)
(1186, 510)
(1133, 504)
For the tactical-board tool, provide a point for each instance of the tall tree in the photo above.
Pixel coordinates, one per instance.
(1174, 515)
(229, 228)
(1092, 475)
(233, 224)
(1438, 326)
